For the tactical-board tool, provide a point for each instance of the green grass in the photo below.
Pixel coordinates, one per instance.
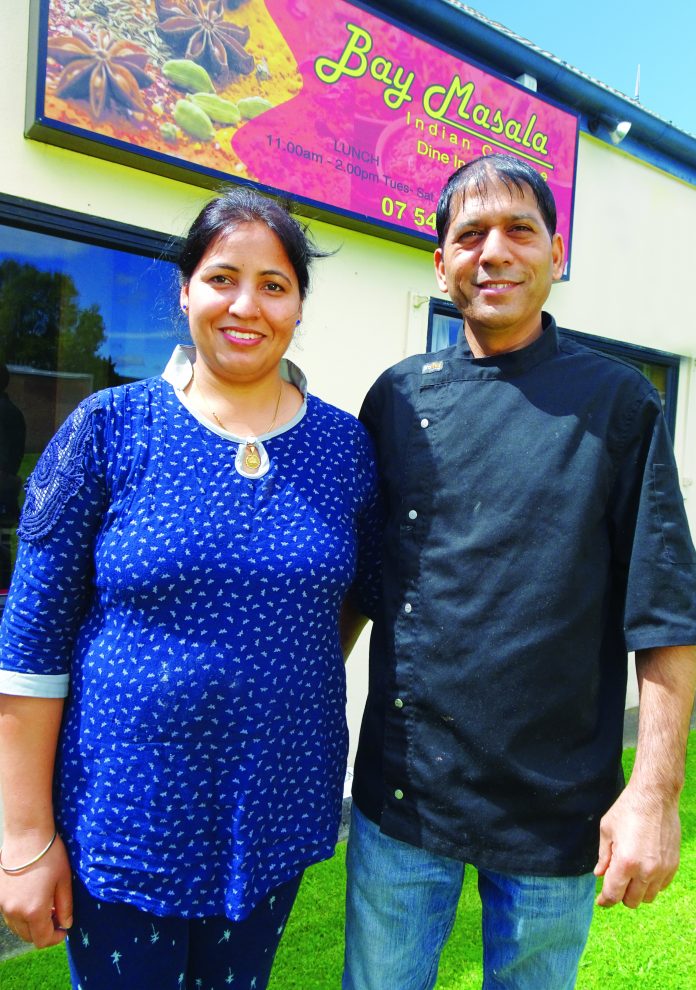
(648, 949)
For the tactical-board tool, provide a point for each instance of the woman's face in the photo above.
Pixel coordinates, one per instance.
(243, 303)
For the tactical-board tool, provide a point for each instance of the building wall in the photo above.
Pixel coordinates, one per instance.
(633, 229)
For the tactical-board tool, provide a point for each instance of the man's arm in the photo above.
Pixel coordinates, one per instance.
(640, 833)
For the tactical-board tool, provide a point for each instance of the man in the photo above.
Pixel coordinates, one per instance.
(535, 533)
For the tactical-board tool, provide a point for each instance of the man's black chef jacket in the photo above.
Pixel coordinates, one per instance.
(535, 533)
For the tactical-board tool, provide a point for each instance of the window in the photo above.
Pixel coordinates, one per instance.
(84, 305)
(660, 367)
(444, 324)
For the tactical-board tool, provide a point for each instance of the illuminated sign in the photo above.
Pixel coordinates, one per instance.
(324, 101)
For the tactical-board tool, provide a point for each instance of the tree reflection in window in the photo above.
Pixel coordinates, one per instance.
(74, 318)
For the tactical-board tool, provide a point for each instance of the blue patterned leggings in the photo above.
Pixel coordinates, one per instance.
(119, 946)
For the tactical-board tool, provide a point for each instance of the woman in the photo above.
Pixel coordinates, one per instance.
(186, 545)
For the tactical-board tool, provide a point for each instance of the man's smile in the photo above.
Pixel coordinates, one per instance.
(496, 284)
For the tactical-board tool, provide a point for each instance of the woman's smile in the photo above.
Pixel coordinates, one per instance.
(244, 338)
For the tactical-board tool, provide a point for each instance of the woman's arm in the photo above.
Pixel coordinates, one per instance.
(37, 901)
(67, 496)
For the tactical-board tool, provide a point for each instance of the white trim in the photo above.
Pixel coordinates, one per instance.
(34, 685)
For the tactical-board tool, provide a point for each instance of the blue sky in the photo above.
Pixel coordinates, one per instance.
(607, 39)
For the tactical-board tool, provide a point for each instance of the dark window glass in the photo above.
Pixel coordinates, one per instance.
(75, 317)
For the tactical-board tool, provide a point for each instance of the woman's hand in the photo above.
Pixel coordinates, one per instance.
(37, 902)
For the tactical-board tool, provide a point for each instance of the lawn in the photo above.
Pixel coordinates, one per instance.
(651, 948)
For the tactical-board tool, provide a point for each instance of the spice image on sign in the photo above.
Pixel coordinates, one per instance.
(201, 30)
(102, 70)
(178, 77)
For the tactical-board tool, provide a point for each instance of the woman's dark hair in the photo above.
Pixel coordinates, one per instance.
(512, 172)
(237, 205)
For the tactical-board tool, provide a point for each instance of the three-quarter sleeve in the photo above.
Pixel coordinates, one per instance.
(52, 579)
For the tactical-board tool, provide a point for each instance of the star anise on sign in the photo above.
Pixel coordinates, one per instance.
(200, 27)
(103, 69)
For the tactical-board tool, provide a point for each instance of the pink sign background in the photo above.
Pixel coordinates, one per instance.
(341, 143)
(321, 99)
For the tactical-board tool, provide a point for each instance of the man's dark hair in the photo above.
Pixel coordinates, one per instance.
(514, 173)
(235, 206)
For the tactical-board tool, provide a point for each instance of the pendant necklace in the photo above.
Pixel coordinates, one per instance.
(252, 458)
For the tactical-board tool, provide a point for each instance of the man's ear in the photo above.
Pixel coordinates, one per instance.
(558, 254)
(438, 258)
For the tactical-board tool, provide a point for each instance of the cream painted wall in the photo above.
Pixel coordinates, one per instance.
(633, 234)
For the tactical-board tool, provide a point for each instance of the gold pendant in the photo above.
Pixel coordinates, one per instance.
(252, 461)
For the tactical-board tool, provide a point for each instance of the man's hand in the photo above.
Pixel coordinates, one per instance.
(638, 848)
(639, 835)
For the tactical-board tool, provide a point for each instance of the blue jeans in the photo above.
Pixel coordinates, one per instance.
(401, 904)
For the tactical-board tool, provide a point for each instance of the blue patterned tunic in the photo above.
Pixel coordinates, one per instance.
(194, 611)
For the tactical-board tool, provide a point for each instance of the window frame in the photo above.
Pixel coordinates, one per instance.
(42, 218)
(439, 307)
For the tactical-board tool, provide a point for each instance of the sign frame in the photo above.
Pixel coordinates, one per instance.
(40, 126)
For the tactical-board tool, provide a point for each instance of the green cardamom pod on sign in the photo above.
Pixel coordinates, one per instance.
(170, 132)
(188, 75)
(252, 106)
(193, 120)
(224, 111)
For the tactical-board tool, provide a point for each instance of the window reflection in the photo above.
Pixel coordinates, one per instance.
(13, 429)
(74, 318)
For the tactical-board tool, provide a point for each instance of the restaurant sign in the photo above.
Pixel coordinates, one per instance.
(323, 100)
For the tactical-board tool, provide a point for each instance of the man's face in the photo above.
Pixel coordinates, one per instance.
(498, 263)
